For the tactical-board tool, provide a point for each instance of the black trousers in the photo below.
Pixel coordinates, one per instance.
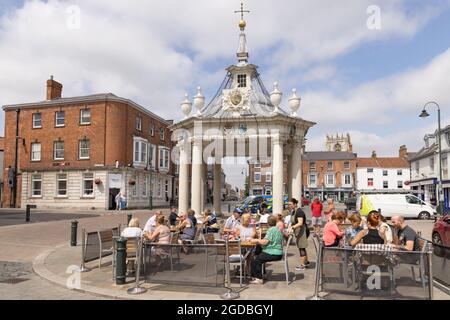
(260, 259)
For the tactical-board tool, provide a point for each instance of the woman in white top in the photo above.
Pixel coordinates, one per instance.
(244, 231)
(133, 230)
(384, 228)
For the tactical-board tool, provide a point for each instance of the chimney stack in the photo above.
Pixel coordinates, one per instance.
(374, 154)
(54, 89)
(403, 152)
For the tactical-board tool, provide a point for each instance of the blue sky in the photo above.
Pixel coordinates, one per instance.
(370, 83)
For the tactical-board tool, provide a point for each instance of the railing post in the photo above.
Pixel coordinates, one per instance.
(73, 233)
(121, 263)
(28, 213)
(138, 289)
(430, 273)
(230, 295)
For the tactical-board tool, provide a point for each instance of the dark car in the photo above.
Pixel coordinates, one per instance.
(350, 203)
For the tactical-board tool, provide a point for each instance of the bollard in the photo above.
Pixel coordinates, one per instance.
(28, 213)
(121, 263)
(73, 233)
(229, 208)
(129, 216)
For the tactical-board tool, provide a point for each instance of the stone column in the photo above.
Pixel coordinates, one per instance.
(183, 183)
(296, 169)
(217, 188)
(277, 156)
(196, 179)
(290, 175)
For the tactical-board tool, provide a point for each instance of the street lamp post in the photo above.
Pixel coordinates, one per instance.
(425, 114)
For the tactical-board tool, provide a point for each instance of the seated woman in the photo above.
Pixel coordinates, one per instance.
(210, 222)
(371, 235)
(385, 229)
(331, 233)
(351, 232)
(186, 227)
(191, 215)
(160, 235)
(245, 231)
(272, 250)
(132, 231)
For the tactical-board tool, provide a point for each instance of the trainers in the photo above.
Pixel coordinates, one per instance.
(300, 268)
(257, 281)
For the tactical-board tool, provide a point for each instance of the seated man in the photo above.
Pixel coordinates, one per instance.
(232, 222)
(407, 237)
(150, 226)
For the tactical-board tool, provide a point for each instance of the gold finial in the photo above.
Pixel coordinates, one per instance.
(242, 23)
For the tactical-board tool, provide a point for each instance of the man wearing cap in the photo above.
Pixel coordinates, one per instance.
(233, 221)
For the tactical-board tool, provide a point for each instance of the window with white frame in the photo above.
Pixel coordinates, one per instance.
(85, 116)
(161, 134)
(268, 176)
(347, 179)
(417, 164)
(134, 191)
(242, 80)
(329, 179)
(140, 151)
(399, 172)
(399, 184)
(36, 151)
(166, 188)
(369, 170)
(58, 150)
(151, 129)
(61, 185)
(145, 187)
(385, 173)
(158, 188)
(312, 180)
(268, 192)
(257, 165)
(385, 184)
(84, 148)
(347, 165)
(152, 156)
(163, 158)
(370, 182)
(312, 166)
(139, 123)
(432, 163)
(60, 118)
(88, 184)
(37, 120)
(36, 185)
(330, 165)
(447, 138)
(257, 177)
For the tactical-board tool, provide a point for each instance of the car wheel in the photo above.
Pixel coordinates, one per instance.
(424, 215)
(437, 245)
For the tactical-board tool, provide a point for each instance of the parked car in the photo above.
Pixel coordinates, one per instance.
(441, 234)
(350, 204)
(407, 205)
(254, 203)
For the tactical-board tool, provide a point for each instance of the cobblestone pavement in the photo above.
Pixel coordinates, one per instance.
(22, 243)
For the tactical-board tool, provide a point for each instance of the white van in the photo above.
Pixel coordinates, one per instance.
(407, 205)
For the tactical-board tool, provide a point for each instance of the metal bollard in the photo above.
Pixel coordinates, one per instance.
(73, 233)
(229, 208)
(121, 261)
(28, 213)
(129, 216)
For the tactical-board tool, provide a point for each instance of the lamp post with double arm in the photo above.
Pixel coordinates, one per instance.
(425, 114)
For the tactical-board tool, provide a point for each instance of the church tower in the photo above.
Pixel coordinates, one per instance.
(339, 143)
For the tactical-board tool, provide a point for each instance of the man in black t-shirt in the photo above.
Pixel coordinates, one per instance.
(407, 237)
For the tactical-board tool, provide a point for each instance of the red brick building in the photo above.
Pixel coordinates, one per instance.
(81, 151)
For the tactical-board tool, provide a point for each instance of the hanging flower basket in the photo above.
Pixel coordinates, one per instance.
(98, 181)
(131, 182)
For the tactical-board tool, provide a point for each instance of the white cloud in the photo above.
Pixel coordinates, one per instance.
(153, 51)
